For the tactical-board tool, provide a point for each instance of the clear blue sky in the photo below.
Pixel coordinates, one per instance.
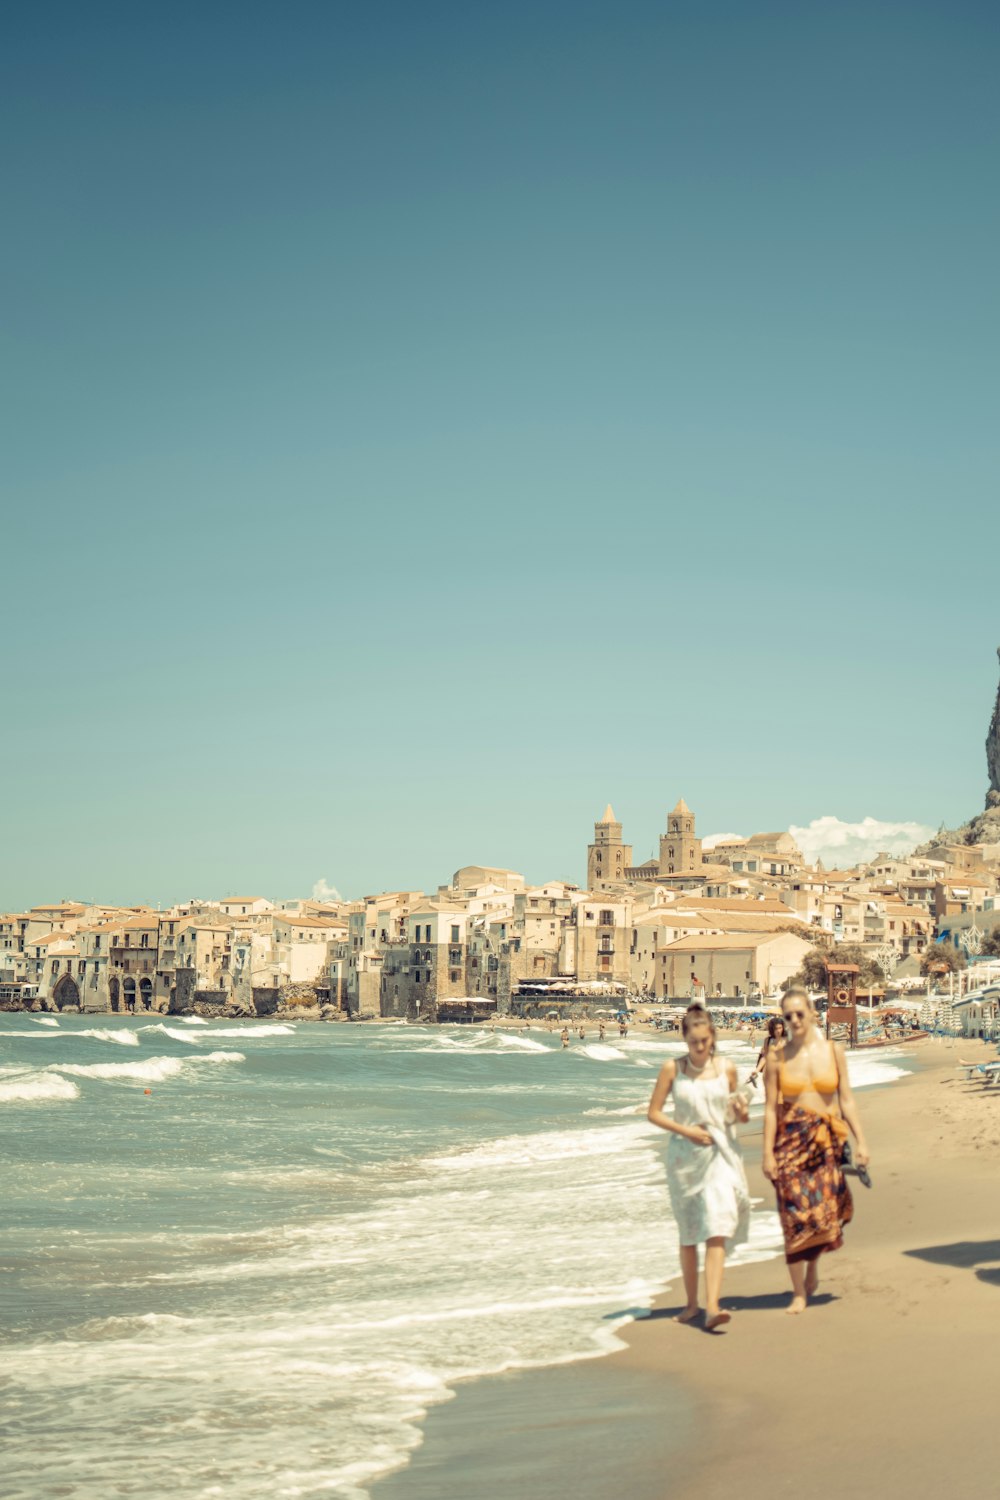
(423, 423)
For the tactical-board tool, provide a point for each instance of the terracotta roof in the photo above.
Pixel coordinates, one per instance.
(670, 917)
(770, 904)
(325, 922)
(728, 940)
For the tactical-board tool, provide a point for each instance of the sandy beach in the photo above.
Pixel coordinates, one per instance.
(886, 1382)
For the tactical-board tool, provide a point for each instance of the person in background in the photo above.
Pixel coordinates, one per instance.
(775, 1035)
(705, 1176)
(808, 1112)
(564, 1036)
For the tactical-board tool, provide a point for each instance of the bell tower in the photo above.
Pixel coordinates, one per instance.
(680, 850)
(607, 857)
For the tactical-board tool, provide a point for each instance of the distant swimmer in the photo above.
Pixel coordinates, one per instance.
(582, 1034)
(564, 1034)
(600, 1031)
(705, 1176)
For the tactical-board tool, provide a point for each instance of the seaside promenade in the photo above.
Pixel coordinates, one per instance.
(885, 1386)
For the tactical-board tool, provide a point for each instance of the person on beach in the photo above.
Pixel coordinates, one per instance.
(705, 1176)
(809, 1108)
(776, 1035)
(564, 1036)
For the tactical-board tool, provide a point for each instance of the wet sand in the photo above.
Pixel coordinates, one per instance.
(886, 1383)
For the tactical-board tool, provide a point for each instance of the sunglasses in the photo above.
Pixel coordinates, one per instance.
(793, 1015)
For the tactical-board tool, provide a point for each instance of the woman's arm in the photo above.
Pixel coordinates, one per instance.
(848, 1106)
(656, 1116)
(768, 1164)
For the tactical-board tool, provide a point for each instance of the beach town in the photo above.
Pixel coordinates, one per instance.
(728, 921)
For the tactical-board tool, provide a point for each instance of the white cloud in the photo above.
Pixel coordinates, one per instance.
(838, 843)
(721, 838)
(324, 892)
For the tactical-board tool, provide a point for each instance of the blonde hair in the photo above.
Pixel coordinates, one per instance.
(797, 990)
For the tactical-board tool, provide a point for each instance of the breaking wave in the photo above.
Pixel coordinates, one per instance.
(34, 1088)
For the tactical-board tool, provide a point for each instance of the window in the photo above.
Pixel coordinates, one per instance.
(454, 934)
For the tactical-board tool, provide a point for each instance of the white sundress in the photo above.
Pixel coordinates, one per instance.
(708, 1186)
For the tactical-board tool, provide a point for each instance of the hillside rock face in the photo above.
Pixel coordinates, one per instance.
(984, 828)
(993, 752)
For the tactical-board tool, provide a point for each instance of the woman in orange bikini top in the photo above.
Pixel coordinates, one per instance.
(809, 1109)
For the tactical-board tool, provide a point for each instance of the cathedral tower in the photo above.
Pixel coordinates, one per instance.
(607, 857)
(680, 850)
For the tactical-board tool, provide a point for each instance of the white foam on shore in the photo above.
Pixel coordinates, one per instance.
(193, 1021)
(35, 1088)
(44, 1020)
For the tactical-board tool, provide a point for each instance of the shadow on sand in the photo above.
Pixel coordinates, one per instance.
(765, 1302)
(965, 1255)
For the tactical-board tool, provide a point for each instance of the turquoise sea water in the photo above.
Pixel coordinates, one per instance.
(253, 1279)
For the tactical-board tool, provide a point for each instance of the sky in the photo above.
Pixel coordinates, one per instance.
(424, 424)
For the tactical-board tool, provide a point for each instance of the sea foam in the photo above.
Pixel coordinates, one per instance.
(34, 1088)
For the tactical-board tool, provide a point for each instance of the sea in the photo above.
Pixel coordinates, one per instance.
(243, 1259)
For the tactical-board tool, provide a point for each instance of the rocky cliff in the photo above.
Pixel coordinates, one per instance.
(984, 828)
(993, 752)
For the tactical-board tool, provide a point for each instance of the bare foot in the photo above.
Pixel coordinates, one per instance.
(812, 1279)
(718, 1319)
(796, 1306)
(688, 1315)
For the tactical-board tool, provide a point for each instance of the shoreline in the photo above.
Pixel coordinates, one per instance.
(874, 1356)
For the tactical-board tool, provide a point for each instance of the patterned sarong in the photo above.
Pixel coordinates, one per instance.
(814, 1201)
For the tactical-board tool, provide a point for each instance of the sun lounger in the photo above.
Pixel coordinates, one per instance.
(988, 1072)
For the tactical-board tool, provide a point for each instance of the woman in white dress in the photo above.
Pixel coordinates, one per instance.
(708, 1187)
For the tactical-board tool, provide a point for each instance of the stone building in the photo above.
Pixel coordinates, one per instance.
(132, 966)
(729, 965)
(603, 938)
(429, 965)
(680, 848)
(608, 857)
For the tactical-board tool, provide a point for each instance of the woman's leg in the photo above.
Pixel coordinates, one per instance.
(689, 1270)
(812, 1276)
(797, 1272)
(715, 1264)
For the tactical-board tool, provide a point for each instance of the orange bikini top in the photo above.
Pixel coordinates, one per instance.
(822, 1083)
